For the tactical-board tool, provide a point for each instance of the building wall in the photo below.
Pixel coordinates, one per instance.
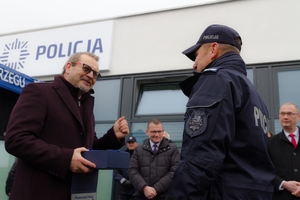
(154, 42)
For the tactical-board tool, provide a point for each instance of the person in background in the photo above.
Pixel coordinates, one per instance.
(224, 148)
(50, 126)
(284, 151)
(10, 178)
(126, 189)
(270, 134)
(153, 163)
(166, 135)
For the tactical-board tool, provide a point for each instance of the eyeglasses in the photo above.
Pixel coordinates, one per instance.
(159, 131)
(289, 114)
(87, 69)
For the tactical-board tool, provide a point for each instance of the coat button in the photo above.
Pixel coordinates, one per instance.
(294, 153)
(81, 133)
(295, 170)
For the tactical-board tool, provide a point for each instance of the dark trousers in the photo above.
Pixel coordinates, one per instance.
(126, 197)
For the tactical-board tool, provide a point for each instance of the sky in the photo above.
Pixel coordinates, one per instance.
(23, 15)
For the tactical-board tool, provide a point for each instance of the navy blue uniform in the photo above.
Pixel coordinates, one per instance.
(224, 151)
(125, 191)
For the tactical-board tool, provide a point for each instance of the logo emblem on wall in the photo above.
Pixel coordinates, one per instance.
(15, 54)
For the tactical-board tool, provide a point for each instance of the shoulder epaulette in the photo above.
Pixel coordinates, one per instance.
(213, 69)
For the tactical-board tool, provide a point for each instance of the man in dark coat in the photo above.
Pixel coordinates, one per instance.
(286, 156)
(51, 125)
(152, 167)
(126, 189)
(224, 148)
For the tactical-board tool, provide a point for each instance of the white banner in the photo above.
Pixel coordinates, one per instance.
(45, 52)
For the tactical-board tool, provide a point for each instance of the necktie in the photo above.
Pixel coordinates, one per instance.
(154, 148)
(293, 140)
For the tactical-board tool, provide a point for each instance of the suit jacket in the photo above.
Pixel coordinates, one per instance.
(44, 128)
(286, 160)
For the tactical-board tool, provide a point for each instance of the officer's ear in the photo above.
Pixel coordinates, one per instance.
(214, 51)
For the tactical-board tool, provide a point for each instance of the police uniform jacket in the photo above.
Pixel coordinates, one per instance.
(123, 173)
(224, 150)
(286, 160)
(47, 123)
(155, 170)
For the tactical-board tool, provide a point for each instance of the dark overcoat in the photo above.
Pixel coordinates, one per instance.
(286, 160)
(47, 123)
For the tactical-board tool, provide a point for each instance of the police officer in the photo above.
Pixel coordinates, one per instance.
(126, 189)
(224, 150)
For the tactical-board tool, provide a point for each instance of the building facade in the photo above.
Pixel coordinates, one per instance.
(145, 65)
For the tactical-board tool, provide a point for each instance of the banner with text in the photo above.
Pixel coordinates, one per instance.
(13, 80)
(45, 52)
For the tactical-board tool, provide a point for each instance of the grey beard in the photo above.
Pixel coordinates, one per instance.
(83, 88)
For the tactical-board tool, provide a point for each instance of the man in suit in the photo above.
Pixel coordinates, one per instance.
(153, 164)
(51, 125)
(285, 154)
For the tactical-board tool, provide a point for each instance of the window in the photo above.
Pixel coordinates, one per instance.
(158, 99)
(107, 97)
(250, 75)
(101, 129)
(288, 86)
(159, 96)
(288, 90)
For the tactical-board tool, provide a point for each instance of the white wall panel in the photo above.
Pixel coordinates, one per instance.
(154, 42)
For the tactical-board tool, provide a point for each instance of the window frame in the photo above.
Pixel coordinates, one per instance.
(156, 78)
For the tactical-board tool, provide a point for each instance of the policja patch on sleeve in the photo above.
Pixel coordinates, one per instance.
(196, 121)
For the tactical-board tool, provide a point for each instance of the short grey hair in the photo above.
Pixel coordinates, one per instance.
(289, 103)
